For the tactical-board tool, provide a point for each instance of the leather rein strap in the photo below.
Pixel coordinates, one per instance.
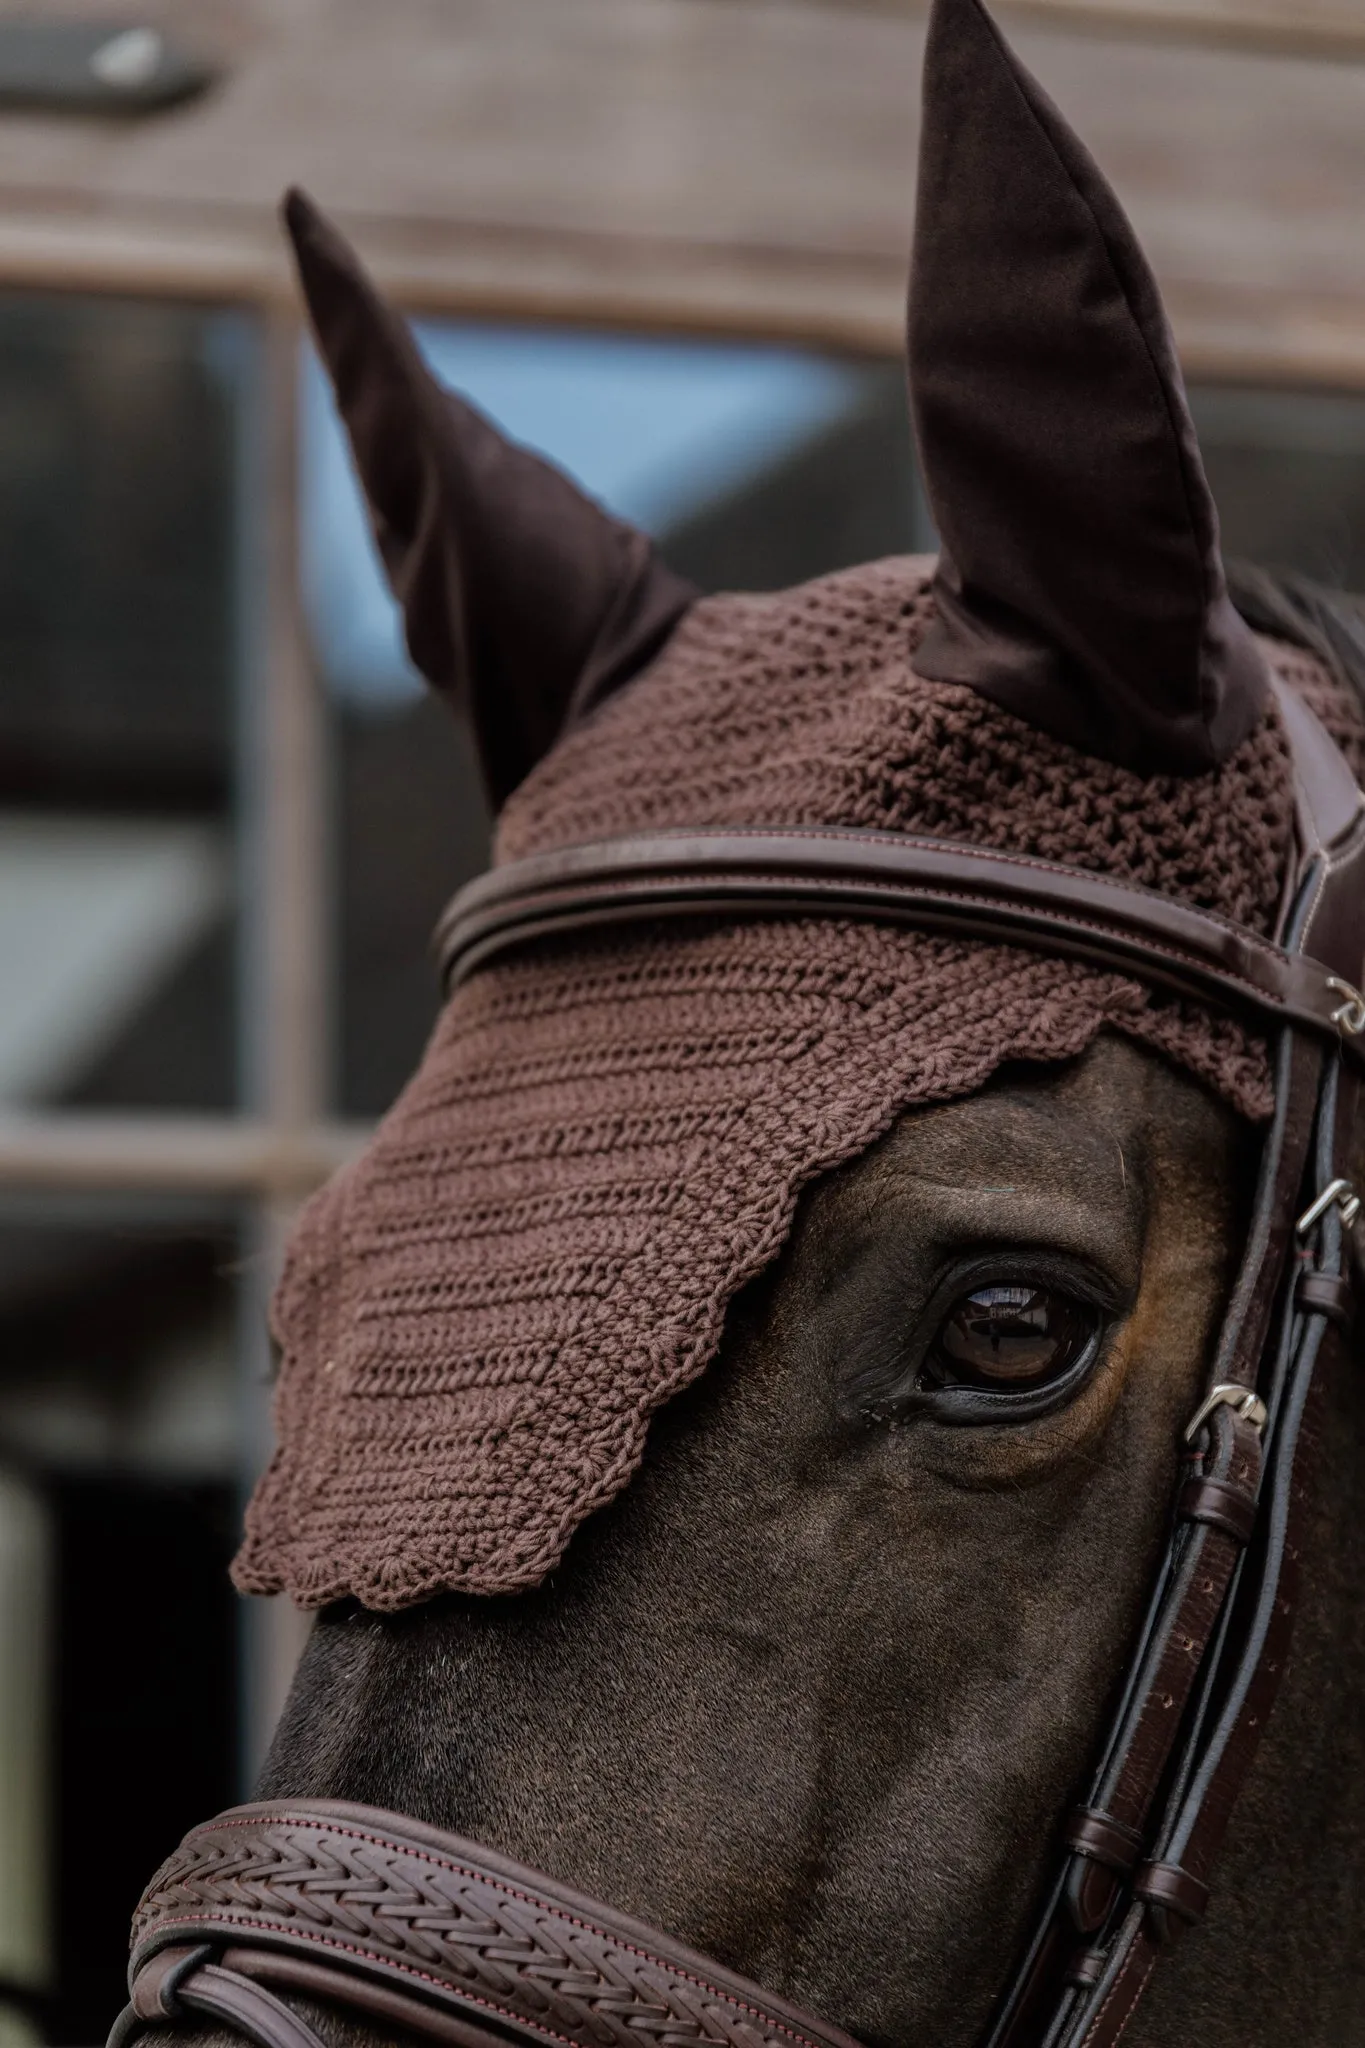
(391, 1920)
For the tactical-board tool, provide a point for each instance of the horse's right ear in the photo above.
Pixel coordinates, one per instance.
(1080, 583)
(522, 599)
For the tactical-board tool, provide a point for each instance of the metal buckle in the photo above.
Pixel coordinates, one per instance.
(1228, 1395)
(1338, 1192)
(1350, 1017)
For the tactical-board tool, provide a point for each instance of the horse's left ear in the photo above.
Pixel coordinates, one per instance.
(523, 601)
(1081, 584)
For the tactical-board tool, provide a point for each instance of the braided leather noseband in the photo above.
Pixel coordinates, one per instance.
(396, 1923)
(411, 1926)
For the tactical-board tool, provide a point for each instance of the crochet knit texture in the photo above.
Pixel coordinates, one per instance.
(607, 1137)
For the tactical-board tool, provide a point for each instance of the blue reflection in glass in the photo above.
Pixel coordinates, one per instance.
(657, 429)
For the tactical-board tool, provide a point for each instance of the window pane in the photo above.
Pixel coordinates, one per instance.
(119, 1491)
(1288, 471)
(753, 466)
(119, 457)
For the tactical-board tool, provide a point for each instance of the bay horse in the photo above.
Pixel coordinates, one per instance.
(814, 1692)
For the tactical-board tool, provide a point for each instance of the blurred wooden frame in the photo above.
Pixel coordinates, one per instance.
(733, 166)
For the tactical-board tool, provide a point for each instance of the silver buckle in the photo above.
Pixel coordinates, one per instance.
(1249, 1406)
(1338, 1192)
(1350, 1017)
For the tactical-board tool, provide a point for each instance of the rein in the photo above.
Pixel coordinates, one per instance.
(387, 1919)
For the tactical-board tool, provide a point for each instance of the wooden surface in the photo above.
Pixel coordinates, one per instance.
(1332, 28)
(733, 165)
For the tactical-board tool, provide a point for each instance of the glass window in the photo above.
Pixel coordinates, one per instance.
(1288, 471)
(120, 1484)
(126, 1423)
(119, 604)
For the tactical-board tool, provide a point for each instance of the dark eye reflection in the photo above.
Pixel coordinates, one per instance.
(1009, 1334)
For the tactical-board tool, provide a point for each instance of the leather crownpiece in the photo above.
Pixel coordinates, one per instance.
(524, 602)
(1081, 584)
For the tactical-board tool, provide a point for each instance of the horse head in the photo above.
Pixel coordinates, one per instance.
(732, 1419)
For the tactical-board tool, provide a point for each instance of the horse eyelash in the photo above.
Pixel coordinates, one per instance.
(878, 1385)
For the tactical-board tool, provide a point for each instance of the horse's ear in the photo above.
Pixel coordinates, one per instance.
(522, 599)
(1081, 584)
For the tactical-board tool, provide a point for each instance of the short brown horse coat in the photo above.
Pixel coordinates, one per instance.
(811, 1694)
(812, 1698)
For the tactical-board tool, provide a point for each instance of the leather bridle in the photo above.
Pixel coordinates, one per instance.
(396, 1922)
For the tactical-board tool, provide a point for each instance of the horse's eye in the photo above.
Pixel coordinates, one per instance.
(1009, 1336)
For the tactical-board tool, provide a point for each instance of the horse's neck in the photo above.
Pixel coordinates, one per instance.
(1281, 1956)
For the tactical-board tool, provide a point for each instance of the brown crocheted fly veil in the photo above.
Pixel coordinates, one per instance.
(607, 1136)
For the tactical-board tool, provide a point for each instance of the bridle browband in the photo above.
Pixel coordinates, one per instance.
(932, 884)
(389, 1919)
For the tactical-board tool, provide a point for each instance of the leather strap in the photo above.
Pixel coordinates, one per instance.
(1173, 1889)
(1214, 1641)
(184, 1981)
(1105, 1840)
(1330, 1294)
(388, 1916)
(1241, 1686)
(1246, 1657)
(932, 884)
(1203, 1555)
(1229, 1508)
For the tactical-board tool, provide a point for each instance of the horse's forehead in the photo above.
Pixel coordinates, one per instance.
(1052, 1123)
(1072, 1157)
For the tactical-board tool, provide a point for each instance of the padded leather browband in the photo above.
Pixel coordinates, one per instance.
(933, 884)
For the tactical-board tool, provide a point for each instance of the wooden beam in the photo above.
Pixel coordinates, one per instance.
(1326, 29)
(1334, 34)
(706, 165)
(64, 1150)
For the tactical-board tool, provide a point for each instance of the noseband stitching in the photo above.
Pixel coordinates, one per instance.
(365, 1955)
(318, 1826)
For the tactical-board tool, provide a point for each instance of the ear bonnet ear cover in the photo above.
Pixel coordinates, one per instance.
(524, 602)
(1080, 584)
(607, 1136)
